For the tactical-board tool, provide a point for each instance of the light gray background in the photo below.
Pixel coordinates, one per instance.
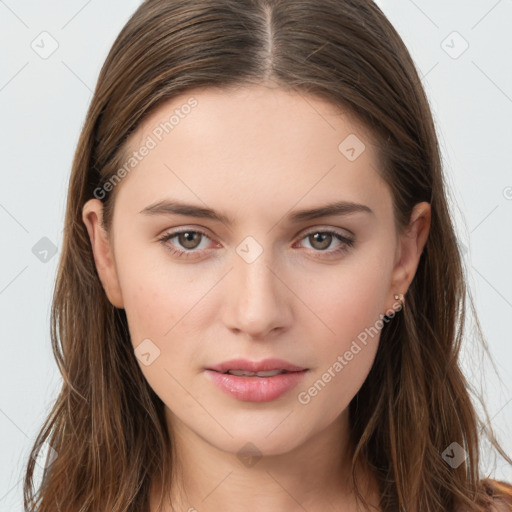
(43, 102)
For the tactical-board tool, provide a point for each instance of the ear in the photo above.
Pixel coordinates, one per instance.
(92, 216)
(410, 246)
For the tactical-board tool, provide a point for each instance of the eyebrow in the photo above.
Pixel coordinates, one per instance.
(174, 207)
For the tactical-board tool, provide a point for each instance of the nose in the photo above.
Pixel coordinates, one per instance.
(257, 302)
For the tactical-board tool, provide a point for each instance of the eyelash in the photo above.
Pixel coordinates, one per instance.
(346, 243)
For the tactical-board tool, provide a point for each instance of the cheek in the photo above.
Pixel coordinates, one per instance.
(161, 310)
(349, 302)
(345, 299)
(168, 305)
(156, 293)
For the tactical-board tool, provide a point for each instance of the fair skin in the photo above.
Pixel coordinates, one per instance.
(257, 155)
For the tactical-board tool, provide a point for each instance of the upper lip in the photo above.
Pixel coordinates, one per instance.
(256, 366)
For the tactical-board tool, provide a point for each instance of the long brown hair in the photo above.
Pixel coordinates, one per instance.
(107, 426)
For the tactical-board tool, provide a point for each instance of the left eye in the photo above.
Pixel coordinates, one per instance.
(325, 238)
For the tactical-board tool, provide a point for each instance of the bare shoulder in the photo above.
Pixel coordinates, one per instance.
(501, 493)
(500, 506)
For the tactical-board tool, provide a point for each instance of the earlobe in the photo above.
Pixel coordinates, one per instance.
(411, 245)
(92, 216)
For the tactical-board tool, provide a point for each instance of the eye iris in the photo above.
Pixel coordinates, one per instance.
(322, 237)
(186, 239)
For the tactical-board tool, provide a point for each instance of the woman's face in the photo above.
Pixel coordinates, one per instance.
(255, 276)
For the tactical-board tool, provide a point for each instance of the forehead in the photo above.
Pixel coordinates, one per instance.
(248, 142)
(251, 110)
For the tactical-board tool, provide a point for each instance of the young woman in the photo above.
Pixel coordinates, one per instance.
(260, 298)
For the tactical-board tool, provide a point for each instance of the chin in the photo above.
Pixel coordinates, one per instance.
(259, 440)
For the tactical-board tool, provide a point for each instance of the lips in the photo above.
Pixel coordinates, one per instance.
(264, 368)
(256, 387)
(256, 381)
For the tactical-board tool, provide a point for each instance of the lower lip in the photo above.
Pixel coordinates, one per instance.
(256, 389)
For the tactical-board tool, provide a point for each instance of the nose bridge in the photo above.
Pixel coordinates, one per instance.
(257, 299)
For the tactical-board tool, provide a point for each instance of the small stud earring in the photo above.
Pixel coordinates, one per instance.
(401, 298)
